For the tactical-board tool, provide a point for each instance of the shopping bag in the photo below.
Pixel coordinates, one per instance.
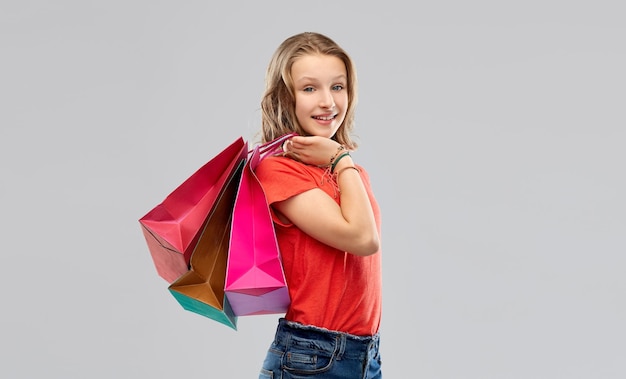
(201, 288)
(172, 228)
(255, 281)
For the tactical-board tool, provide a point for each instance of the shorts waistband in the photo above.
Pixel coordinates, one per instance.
(310, 337)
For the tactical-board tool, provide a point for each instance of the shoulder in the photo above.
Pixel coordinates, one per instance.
(282, 178)
(274, 165)
(276, 162)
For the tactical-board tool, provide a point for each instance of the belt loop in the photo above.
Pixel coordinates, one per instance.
(373, 345)
(283, 335)
(341, 340)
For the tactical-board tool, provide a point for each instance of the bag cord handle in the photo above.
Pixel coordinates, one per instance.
(272, 146)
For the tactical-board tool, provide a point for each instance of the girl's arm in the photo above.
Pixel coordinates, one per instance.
(348, 227)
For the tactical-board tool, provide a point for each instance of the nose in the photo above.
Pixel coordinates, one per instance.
(327, 100)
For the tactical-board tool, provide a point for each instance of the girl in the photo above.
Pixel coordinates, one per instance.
(326, 217)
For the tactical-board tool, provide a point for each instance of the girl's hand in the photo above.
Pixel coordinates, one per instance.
(313, 150)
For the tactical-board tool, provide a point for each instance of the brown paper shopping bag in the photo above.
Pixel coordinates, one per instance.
(201, 289)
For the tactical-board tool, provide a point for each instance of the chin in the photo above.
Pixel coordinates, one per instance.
(328, 133)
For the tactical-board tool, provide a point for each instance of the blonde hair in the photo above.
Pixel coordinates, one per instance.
(278, 102)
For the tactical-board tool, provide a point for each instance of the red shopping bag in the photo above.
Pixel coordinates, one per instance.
(255, 281)
(172, 228)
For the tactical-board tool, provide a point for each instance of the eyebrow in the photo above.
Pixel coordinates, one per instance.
(312, 79)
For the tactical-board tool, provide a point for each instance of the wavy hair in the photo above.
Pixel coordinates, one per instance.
(278, 116)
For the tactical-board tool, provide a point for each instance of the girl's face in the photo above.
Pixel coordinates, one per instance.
(321, 93)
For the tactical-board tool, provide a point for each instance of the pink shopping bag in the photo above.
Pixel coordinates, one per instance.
(255, 281)
(172, 228)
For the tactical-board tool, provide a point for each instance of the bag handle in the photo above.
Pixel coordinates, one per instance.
(272, 146)
(259, 152)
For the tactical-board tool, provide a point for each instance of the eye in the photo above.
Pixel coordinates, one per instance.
(308, 89)
(338, 87)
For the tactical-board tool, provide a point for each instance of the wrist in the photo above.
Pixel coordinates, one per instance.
(341, 156)
(340, 150)
(339, 164)
(343, 169)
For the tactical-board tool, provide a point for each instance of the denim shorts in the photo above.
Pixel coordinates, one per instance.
(300, 351)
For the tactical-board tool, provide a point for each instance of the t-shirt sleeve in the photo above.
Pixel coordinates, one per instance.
(282, 178)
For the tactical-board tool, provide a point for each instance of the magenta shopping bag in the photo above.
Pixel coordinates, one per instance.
(255, 281)
(173, 227)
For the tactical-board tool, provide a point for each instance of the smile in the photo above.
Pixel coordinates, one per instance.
(324, 118)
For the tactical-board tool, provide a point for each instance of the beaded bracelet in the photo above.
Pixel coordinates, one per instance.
(346, 168)
(332, 159)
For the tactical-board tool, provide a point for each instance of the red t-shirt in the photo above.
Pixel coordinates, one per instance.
(329, 288)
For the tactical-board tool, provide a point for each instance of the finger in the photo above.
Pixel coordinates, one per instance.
(300, 141)
(285, 146)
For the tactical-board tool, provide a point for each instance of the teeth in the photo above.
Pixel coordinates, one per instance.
(325, 118)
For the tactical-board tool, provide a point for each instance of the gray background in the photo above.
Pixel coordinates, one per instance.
(494, 135)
